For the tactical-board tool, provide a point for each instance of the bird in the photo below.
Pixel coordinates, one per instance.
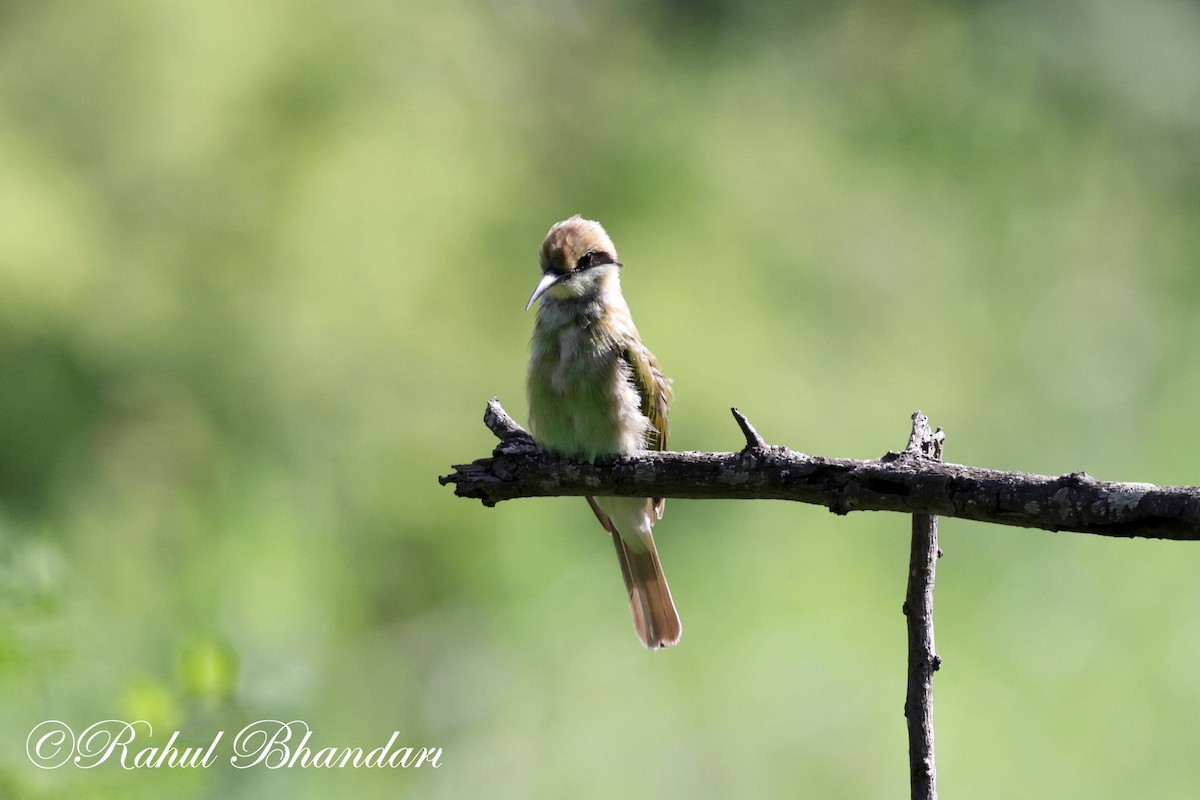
(595, 392)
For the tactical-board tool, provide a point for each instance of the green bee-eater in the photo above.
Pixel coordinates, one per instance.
(595, 390)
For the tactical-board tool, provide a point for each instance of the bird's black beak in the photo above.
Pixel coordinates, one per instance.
(548, 279)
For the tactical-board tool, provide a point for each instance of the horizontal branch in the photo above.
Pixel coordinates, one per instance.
(906, 482)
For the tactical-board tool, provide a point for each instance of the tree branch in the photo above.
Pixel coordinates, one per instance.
(923, 660)
(895, 482)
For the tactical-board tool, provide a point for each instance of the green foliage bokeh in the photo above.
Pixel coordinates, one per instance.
(261, 266)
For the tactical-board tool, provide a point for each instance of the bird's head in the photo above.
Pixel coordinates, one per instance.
(576, 257)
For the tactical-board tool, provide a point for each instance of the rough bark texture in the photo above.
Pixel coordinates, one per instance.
(1074, 502)
(923, 661)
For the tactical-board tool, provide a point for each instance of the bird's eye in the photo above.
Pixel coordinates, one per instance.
(592, 258)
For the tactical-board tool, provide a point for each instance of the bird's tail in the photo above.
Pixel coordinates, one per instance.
(630, 521)
(654, 616)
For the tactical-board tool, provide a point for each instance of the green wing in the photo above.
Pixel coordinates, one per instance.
(655, 391)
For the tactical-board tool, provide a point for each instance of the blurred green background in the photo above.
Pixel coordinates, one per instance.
(262, 265)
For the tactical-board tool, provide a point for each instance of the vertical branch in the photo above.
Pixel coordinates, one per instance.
(923, 660)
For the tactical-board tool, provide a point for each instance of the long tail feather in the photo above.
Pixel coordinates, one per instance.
(654, 616)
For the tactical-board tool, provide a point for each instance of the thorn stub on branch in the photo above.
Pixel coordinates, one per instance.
(514, 440)
(499, 422)
(924, 441)
(753, 440)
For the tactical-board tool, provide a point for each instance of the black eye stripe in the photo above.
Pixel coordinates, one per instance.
(593, 258)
